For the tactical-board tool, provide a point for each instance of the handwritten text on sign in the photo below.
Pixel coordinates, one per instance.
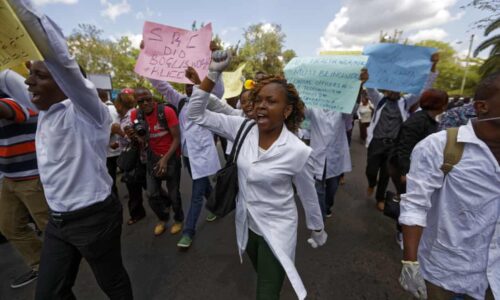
(169, 51)
(328, 82)
(397, 67)
(16, 45)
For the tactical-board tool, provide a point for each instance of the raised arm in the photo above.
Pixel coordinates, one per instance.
(13, 85)
(411, 99)
(166, 89)
(64, 69)
(374, 95)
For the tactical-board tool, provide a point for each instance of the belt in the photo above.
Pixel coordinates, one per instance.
(60, 217)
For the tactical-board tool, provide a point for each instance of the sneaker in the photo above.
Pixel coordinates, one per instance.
(211, 217)
(24, 279)
(160, 228)
(328, 213)
(399, 240)
(184, 242)
(380, 205)
(176, 228)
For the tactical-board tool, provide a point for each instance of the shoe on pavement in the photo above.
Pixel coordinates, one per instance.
(380, 205)
(184, 242)
(329, 213)
(211, 217)
(160, 228)
(24, 279)
(176, 228)
(399, 240)
(369, 191)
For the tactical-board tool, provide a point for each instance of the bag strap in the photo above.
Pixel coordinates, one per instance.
(240, 142)
(452, 151)
(235, 144)
(161, 116)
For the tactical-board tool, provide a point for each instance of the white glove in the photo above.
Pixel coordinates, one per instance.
(220, 61)
(411, 279)
(317, 238)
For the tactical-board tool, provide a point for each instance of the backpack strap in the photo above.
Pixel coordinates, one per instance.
(452, 151)
(161, 116)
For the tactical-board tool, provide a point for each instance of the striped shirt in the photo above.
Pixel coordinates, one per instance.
(17, 142)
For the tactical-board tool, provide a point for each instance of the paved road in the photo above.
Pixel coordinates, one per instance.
(359, 261)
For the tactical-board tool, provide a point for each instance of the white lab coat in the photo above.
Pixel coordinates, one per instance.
(329, 143)
(265, 186)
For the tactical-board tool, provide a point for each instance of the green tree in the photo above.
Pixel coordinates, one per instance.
(262, 50)
(103, 56)
(288, 55)
(492, 64)
(451, 69)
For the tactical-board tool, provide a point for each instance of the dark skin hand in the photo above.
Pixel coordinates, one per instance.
(192, 75)
(161, 167)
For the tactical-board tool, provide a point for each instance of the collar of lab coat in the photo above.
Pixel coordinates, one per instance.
(275, 149)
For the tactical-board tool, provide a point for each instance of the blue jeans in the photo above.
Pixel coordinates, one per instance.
(201, 188)
(326, 190)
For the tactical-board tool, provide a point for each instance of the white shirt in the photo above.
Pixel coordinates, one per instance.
(460, 246)
(365, 112)
(72, 136)
(265, 186)
(329, 143)
(115, 119)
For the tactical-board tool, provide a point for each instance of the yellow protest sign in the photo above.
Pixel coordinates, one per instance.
(16, 46)
(233, 82)
(340, 52)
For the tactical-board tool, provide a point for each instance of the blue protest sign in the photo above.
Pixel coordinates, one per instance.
(328, 82)
(397, 67)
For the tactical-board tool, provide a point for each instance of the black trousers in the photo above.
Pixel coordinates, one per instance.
(376, 166)
(111, 165)
(159, 200)
(92, 233)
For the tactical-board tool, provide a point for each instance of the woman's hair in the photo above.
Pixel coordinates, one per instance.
(125, 99)
(433, 99)
(297, 116)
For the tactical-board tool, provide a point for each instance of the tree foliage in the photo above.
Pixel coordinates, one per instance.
(492, 64)
(451, 69)
(103, 56)
(262, 50)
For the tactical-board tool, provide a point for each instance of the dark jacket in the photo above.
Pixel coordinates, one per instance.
(413, 130)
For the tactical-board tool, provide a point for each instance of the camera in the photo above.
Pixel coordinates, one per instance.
(140, 127)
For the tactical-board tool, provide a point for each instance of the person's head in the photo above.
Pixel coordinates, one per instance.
(125, 101)
(246, 104)
(103, 95)
(434, 100)
(42, 85)
(276, 102)
(259, 75)
(144, 99)
(364, 97)
(188, 89)
(467, 100)
(487, 98)
(392, 96)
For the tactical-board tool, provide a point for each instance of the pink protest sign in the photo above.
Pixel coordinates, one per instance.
(168, 51)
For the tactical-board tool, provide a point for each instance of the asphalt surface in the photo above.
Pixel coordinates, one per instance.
(360, 260)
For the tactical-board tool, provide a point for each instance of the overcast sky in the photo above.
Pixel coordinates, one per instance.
(310, 25)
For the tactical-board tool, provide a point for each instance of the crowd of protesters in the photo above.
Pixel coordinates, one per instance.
(64, 141)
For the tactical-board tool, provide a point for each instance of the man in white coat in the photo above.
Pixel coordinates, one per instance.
(331, 152)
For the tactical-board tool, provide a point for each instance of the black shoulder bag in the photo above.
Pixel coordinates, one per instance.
(222, 201)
